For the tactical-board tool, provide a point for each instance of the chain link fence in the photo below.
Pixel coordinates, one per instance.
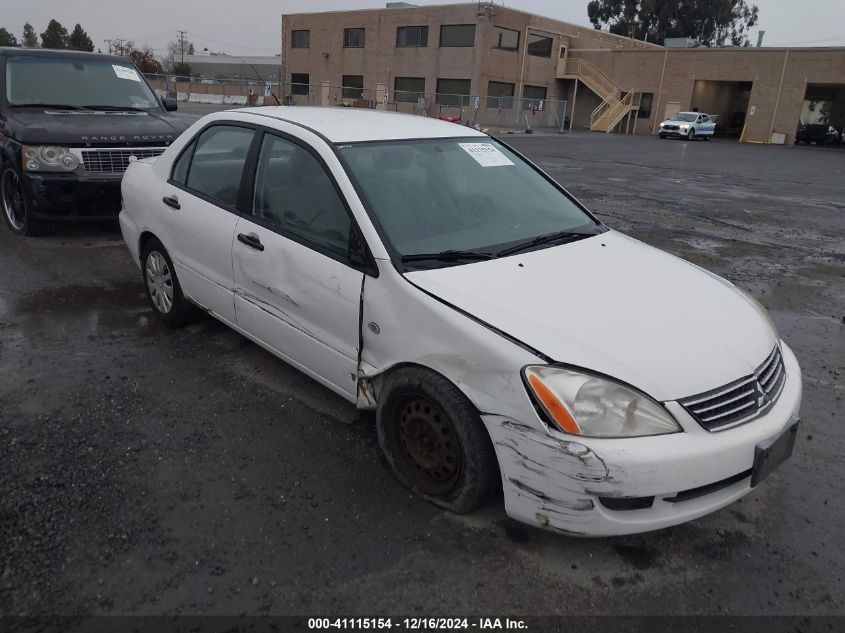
(496, 114)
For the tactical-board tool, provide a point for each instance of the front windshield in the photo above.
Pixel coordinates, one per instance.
(76, 82)
(685, 116)
(462, 194)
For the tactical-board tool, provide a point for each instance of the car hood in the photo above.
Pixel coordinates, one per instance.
(56, 127)
(615, 306)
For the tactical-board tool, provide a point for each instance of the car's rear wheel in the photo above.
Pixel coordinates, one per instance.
(162, 286)
(16, 206)
(434, 440)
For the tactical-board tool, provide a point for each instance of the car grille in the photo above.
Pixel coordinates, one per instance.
(115, 161)
(671, 127)
(741, 400)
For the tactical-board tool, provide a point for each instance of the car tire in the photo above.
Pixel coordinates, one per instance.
(162, 286)
(434, 440)
(16, 207)
(691, 136)
(663, 136)
(707, 137)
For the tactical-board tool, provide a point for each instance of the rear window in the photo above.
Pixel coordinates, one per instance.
(76, 82)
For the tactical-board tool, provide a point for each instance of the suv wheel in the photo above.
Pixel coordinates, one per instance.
(16, 208)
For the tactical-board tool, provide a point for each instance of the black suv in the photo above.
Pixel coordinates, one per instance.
(818, 133)
(69, 123)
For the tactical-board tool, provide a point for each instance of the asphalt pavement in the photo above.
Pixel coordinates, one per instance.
(146, 470)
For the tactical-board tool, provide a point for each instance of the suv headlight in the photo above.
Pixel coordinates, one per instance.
(583, 404)
(48, 158)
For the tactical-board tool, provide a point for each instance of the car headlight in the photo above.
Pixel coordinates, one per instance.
(48, 158)
(588, 405)
(684, 126)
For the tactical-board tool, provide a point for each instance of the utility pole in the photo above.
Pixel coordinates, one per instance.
(182, 35)
(116, 46)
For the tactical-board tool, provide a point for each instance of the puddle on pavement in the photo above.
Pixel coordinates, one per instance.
(82, 310)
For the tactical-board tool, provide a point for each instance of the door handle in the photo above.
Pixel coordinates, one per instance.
(251, 240)
(171, 201)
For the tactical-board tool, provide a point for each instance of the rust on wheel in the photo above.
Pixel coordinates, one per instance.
(428, 445)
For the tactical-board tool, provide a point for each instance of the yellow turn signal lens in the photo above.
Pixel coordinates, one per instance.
(554, 406)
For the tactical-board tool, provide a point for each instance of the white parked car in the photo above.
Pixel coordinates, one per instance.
(689, 125)
(504, 335)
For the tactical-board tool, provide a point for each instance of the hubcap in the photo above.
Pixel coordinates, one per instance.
(159, 282)
(13, 202)
(428, 445)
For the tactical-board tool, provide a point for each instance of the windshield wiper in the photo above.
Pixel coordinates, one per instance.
(111, 108)
(545, 238)
(446, 256)
(58, 106)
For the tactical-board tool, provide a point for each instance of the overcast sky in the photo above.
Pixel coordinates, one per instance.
(251, 27)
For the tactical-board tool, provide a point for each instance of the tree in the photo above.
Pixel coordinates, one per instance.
(181, 69)
(29, 39)
(7, 39)
(55, 36)
(145, 60)
(711, 22)
(174, 53)
(79, 40)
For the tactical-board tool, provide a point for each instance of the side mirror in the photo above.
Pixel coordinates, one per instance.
(170, 104)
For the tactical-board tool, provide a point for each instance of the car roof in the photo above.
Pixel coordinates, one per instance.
(11, 51)
(351, 125)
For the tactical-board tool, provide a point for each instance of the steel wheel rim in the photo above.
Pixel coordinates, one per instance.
(159, 282)
(428, 445)
(13, 201)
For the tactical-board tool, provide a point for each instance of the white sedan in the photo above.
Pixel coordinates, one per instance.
(689, 126)
(505, 337)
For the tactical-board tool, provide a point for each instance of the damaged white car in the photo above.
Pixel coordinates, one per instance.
(504, 336)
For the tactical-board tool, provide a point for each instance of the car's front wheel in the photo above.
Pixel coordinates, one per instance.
(434, 440)
(691, 136)
(163, 290)
(663, 136)
(16, 207)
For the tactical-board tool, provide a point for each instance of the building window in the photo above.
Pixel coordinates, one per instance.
(453, 92)
(499, 95)
(533, 93)
(299, 83)
(353, 86)
(353, 38)
(300, 39)
(646, 101)
(539, 46)
(457, 35)
(408, 88)
(505, 39)
(411, 36)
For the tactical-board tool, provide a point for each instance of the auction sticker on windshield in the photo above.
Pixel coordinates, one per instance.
(125, 73)
(485, 154)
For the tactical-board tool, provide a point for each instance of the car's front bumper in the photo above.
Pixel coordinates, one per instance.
(64, 197)
(677, 133)
(564, 482)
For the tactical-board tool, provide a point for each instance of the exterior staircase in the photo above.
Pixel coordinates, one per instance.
(615, 104)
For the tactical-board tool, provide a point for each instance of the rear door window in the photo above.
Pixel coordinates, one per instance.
(217, 164)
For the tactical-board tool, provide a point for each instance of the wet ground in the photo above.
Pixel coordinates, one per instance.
(145, 470)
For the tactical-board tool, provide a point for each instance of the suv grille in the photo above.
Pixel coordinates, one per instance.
(741, 400)
(115, 161)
